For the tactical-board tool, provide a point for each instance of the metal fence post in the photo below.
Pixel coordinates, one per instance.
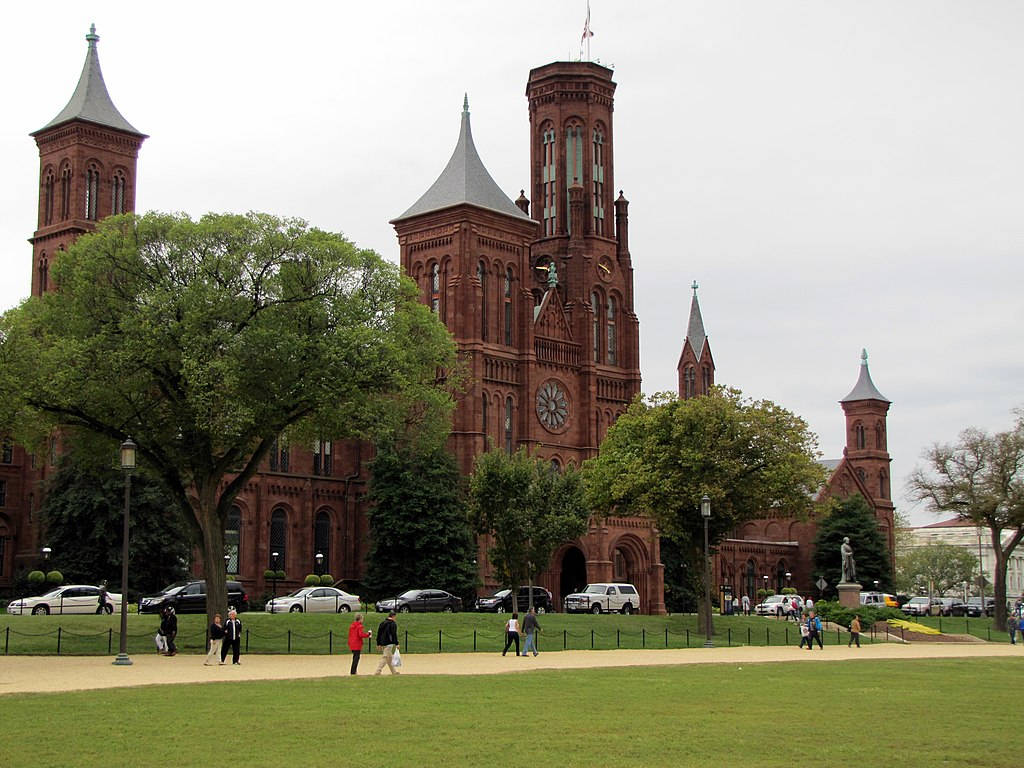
(110, 638)
(330, 639)
(767, 637)
(7, 639)
(439, 641)
(289, 641)
(617, 636)
(730, 636)
(474, 639)
(666, 637)
(591, 639)
(564, 640)
(749, 642)
(687, 638)
(643, 637)
(787, 634)
(407, 641)
(58, 641)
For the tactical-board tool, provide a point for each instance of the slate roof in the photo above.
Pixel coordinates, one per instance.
(865, 388)
(695, 328)
(464, 180)
(90, 101)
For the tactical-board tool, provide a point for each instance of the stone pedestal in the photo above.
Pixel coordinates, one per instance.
(849, 594)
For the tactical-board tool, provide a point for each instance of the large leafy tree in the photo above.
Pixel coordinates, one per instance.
(205, 340)
(82, 515)
(851, 517)
(419, 529)
(935, 568)
(980, 478)
(527, 508)
(751, 458)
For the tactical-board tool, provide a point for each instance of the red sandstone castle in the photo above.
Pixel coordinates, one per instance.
(541, 307)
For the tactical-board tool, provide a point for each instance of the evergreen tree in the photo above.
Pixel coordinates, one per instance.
(854, 518)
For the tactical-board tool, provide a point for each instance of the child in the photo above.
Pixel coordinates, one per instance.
(805, 634)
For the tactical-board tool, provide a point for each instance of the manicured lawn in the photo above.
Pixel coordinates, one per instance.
(461, 632)
(907, 713)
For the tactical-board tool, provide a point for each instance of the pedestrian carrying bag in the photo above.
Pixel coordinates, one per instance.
(396, 659)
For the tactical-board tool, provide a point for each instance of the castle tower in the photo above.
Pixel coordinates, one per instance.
(87, 159)
(696, 366)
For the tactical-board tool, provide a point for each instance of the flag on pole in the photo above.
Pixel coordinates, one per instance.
(587, 33)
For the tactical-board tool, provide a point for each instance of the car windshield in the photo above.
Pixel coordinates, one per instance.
(173, 588)
(300, 592)
(53, 592)
(502, 593)
(593, 589)
(919, 600)
(412, 593)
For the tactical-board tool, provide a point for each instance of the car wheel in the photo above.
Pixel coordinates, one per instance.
(343, 608)
(627, 609)
(403, 609)
(501, 609)
(296, 609)
(447, 609)
(41, 610)
(542, 610)
(595, 609)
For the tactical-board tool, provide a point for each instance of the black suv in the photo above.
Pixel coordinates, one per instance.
(501, 601)
(190, 597)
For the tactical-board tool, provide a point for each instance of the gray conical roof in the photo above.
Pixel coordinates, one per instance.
(695, 328)
(865, 388)
(90, 101)
(464, 180)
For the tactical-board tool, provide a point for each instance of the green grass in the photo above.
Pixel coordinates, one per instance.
(461, 632)
(960, 712)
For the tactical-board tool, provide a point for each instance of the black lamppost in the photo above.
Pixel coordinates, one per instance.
(274, 556)
(128, 465)
(46, 553)
(705, 512)
(789, 578)
(319, 563)
(876, 585)
(227, 563)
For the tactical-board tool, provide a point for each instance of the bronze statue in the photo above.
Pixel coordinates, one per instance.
(849, 567)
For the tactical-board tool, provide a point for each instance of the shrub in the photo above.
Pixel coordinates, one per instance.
(55, 577)
(789, 590)
(269, 574)
(35, 578)
(326, 580)
(312, 580)
(762, 593)
(834, 612)
(281, 576)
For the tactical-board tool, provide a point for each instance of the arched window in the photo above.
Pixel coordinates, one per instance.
(322, 539)
(44, 273)
(7, 451)
(65, 191)
(858, 432)
(118, 185)
(689, 382)
(435, 288)
(883, 485)
(613, 341)
(706, 379)
(278, 457)
(508, 425)
(481, 273)
(233, 539)
(48, 199)
(483, 418)
(595, 303)
(92, 191)
(879, 436)
(573, 164)
(548, 174)
(508, 307)
(322, 457)
(598, 181)
(862, 475)
(278, 539)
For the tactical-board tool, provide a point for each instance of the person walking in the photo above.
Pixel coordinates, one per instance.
(1012, 625)
(387, 641)
(356, 634)
(232, 638)
(814, 631)
(805, 634)
(169, 625)
(854, 631)
(746, 605)
(101, 606)
(511, 634)
(216, 641)
(531, 627)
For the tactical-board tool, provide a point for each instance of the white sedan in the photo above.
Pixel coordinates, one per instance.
(314, 600)
(72, 598)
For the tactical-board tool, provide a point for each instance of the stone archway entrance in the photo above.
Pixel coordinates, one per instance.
(573, 573)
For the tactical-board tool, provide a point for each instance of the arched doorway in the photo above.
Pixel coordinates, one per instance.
(573, 576)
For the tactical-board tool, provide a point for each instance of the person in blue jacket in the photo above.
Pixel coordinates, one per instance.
(814, 630)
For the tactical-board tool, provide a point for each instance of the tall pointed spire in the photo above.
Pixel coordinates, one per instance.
(91, 102)
(865, 388)
(695, 328)
(464, 180)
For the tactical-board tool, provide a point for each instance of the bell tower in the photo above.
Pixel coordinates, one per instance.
(696, 367)
(87, 159)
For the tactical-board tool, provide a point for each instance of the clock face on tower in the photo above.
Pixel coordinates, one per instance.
(604, 268)
(552, 406)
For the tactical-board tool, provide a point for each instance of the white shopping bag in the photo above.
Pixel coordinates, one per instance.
(396, 658)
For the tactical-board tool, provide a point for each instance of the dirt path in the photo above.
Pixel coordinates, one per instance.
(22, 674)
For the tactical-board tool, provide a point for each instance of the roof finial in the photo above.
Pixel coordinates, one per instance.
(863, 356)
(695, 287)
(92, 37)
(465, 103)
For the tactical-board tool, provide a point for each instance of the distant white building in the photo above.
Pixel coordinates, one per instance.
(979, 542)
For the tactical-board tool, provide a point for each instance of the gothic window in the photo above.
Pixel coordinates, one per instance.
(689, 382)
(706, 380)
(861, 475)
(573, 163)
(435, 288)
(285, 457)
(613, 342)
(598, 174)
(595, 303)
(548, 175)
(883, 485)
(322, 538)
(481, 273)
(118, 186)
(3, 493)
(48, 199)
(858, 433)
(233, 539)
(508, 307)
(508, 425)
(65, 191)
(279, 456)
(879, 437)
(6, 452)
(556, 466)
(44, 273)
(92, 191)
(278, 539)
(322, 457)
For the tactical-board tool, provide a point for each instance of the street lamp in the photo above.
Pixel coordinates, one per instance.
(227, 563)
(319, 563)
(128, 465)
(876, 585)
(46, 553)
(273, 578)
(705, 512)
(789, 578)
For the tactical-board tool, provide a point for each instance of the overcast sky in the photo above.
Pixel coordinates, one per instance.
(835, 175)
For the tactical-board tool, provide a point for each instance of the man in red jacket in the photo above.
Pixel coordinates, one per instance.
(356, 635)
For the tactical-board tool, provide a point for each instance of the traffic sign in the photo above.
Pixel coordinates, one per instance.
(821, 584)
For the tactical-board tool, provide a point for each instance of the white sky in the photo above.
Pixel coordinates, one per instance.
(835, 175)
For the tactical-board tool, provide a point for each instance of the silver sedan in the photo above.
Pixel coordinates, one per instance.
(72, 598)
(314, 600)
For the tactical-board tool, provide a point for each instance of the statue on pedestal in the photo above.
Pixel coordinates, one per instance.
(849, 567)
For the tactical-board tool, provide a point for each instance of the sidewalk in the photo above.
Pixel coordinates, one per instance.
(24, 674)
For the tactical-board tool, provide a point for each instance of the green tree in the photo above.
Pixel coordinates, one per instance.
(82, 515)
(419, 529)
(935, 568)
(980, 479)
(851, 517)
(751, 458)
(206, 340)
(527, 509)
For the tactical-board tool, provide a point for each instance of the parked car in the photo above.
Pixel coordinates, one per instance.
(952, 606)
(604, 598)
(773, 605)
(922, 606)
(878, 600)
(314, 600)
(71, 598)
(974, 606)
(190, 597)
(501, 601)
(421, 600)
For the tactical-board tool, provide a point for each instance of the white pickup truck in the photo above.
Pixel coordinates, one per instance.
(604, 598)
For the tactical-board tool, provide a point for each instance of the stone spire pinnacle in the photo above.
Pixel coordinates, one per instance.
(695, 328)
(865, 388)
